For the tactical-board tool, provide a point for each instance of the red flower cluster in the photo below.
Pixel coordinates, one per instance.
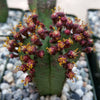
(63, 35)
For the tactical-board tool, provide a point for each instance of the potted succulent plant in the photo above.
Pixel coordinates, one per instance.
(48, 55)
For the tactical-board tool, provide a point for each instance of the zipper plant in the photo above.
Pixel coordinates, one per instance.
(48, 55)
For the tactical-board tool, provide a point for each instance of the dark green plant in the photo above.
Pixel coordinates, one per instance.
(3, 11)
(32, 4)
(48, 56)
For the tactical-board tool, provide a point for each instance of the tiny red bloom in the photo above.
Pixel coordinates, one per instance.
(52, 50)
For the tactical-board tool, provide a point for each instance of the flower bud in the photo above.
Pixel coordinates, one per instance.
(52, 50)
(40, 54)
(23, 67)
(77, 37)
(67, 32)
(60, 45)
(62, 60)
(71, 54)
(25, 58)
(70, 74)
(68, 42)
(31, 49)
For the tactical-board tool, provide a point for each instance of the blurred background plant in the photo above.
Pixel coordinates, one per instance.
(3, 11)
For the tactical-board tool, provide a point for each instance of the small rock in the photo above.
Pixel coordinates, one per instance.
(53, 97)
(84, 84)
(42, 98)
(71, 84)
(8, 77)
(83, 89)
(19, 84)
(6, 91)
(13, 88)
(8, 96)
(63, 97)
(89, 87)
(23, 76)
(79, 92)
(1, 68)
(26, 98)
(25, 93)
(19, 73)
(34, 96)
(86, 70)
(18, 95)
(58, 98)
(88, 96)
(79, 77)
(79, 84)
(66, 88)
(10, 66)
(75, 96)
(47, 98)
(4, 86)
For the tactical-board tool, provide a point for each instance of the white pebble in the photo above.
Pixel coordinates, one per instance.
(8, 77)
(79, 92)
(4, 86)
(89, 87)
(10, 66)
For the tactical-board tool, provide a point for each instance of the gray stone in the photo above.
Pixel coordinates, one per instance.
(58, 98)
(71, 84)
(79, 84)
(1, 68)
(9, 77)
(26, 98)
(19, 84)
(25, 93)
(47, 98)
(75, 96)
(63, 97)
(10, 66)
(79, 92)
(34, 96)
(83, 89)
(18, 95)
(53, 97)
(6, 91)
(65, 88)
(89, 87)
(42, 98)
(4, 86)
(8, 96)
(19, 73)
(88, 96)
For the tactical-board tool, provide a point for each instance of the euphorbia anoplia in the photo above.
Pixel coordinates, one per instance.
(48, 55)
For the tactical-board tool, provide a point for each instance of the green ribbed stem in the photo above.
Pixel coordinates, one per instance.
(3, 11)
(32, 4)
(49, 76)
(44, 11)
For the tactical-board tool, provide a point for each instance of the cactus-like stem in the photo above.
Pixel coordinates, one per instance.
(44, 11)
(49, 76)
(48, 56)
(3, 11)
(32, 4)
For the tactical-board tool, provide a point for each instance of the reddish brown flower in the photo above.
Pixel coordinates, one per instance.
(70, 74)
(52, 50)
(62, 60)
